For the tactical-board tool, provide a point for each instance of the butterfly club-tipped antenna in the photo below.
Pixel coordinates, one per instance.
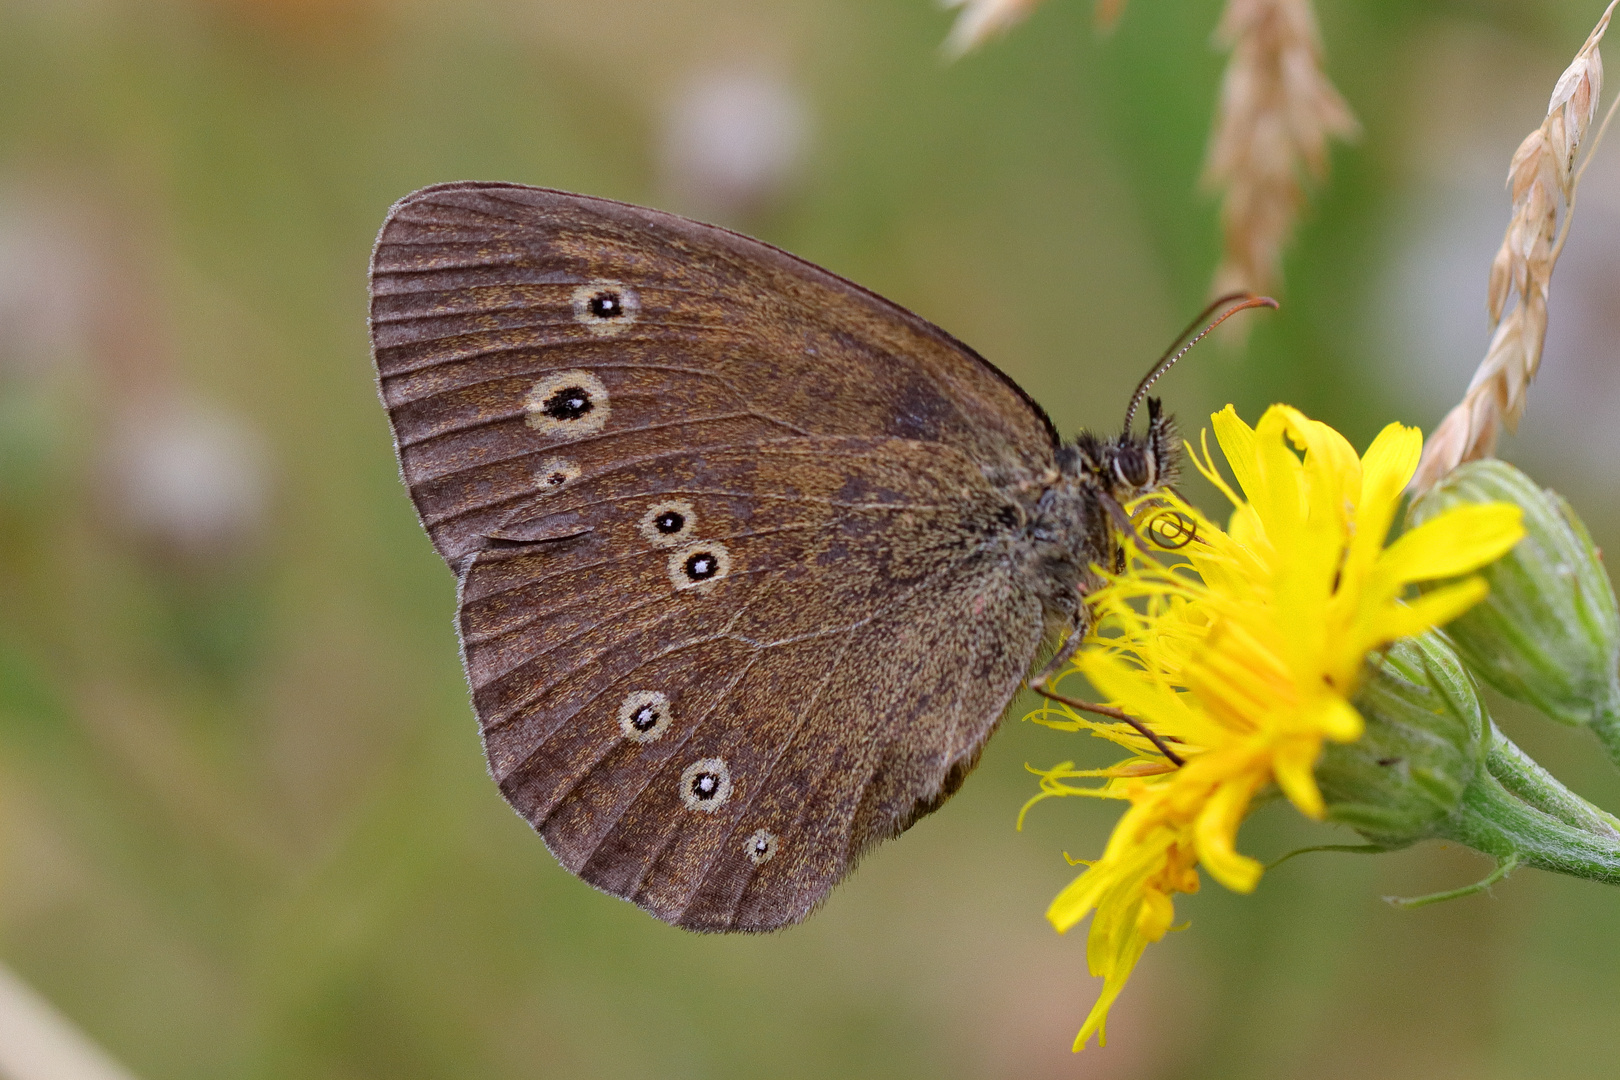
(1237, 301)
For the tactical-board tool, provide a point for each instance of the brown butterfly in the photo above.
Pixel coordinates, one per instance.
(751, 561)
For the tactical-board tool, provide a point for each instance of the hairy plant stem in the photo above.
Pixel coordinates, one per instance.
(1515, 811)
(1525, 778)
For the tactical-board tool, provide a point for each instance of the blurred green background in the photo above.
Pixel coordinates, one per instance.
(245, 828)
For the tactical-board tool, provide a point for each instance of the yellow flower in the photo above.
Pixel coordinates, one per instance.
(1244, 657)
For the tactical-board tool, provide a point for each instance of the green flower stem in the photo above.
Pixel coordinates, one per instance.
(1493, 820)
(1522, 776)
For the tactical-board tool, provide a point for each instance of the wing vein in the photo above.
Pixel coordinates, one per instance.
(616, 433)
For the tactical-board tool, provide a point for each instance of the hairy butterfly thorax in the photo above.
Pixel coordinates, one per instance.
(1077, 512)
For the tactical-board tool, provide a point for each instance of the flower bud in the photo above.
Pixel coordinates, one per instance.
(1549, 632)
(1421, 748)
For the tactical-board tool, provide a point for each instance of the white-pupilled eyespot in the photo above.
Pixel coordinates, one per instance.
(605, 308)
(644, 716)
(761, 846)
(567, 404)
(698, 564)
(668, 523)
(706, 785)
(554, 474)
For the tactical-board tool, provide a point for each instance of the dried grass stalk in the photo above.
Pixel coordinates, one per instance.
(1276, 114)
(1542, 181)
(983, 19)
(38, 1043)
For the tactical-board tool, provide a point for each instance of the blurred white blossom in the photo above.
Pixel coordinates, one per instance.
(46, 280)
(732, 142)
(189, 479)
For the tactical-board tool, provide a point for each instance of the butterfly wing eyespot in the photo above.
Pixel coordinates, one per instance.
(668, 523)
(760, 846)
(706, 785)
(705, 562)
(567, 404)
(554, 474)
(644, 716)
(605, 308)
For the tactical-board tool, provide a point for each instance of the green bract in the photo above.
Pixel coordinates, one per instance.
(1432, 765)
(1549, 633)
(1422, 747)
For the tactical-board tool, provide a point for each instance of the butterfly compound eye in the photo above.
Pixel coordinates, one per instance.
(1131, 467)
(605, 308)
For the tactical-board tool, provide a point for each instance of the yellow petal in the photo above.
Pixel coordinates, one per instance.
(1216, 832)
(1426, 612)
(1337, 719)
(1156, 917)
(1386, 467)
(1332, 467)
(1205, 464)
(1294, 767)
(1390, 462)
(1237, 443)
(1279, 491)
(1462, 539)
(1124, 963)
(1122, 684)
(1076, 900)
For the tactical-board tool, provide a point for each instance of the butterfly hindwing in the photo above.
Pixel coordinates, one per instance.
(829, 669)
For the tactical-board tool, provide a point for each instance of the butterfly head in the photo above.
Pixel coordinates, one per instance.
(1129, 465)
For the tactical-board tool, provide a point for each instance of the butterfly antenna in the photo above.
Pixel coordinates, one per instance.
(1239, 302)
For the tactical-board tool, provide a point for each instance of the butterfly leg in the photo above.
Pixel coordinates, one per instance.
(1065, 653)
(1061, 659)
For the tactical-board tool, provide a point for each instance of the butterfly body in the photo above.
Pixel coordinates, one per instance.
(750, 561)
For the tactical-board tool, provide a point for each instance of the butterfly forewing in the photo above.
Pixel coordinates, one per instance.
(735, 595)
